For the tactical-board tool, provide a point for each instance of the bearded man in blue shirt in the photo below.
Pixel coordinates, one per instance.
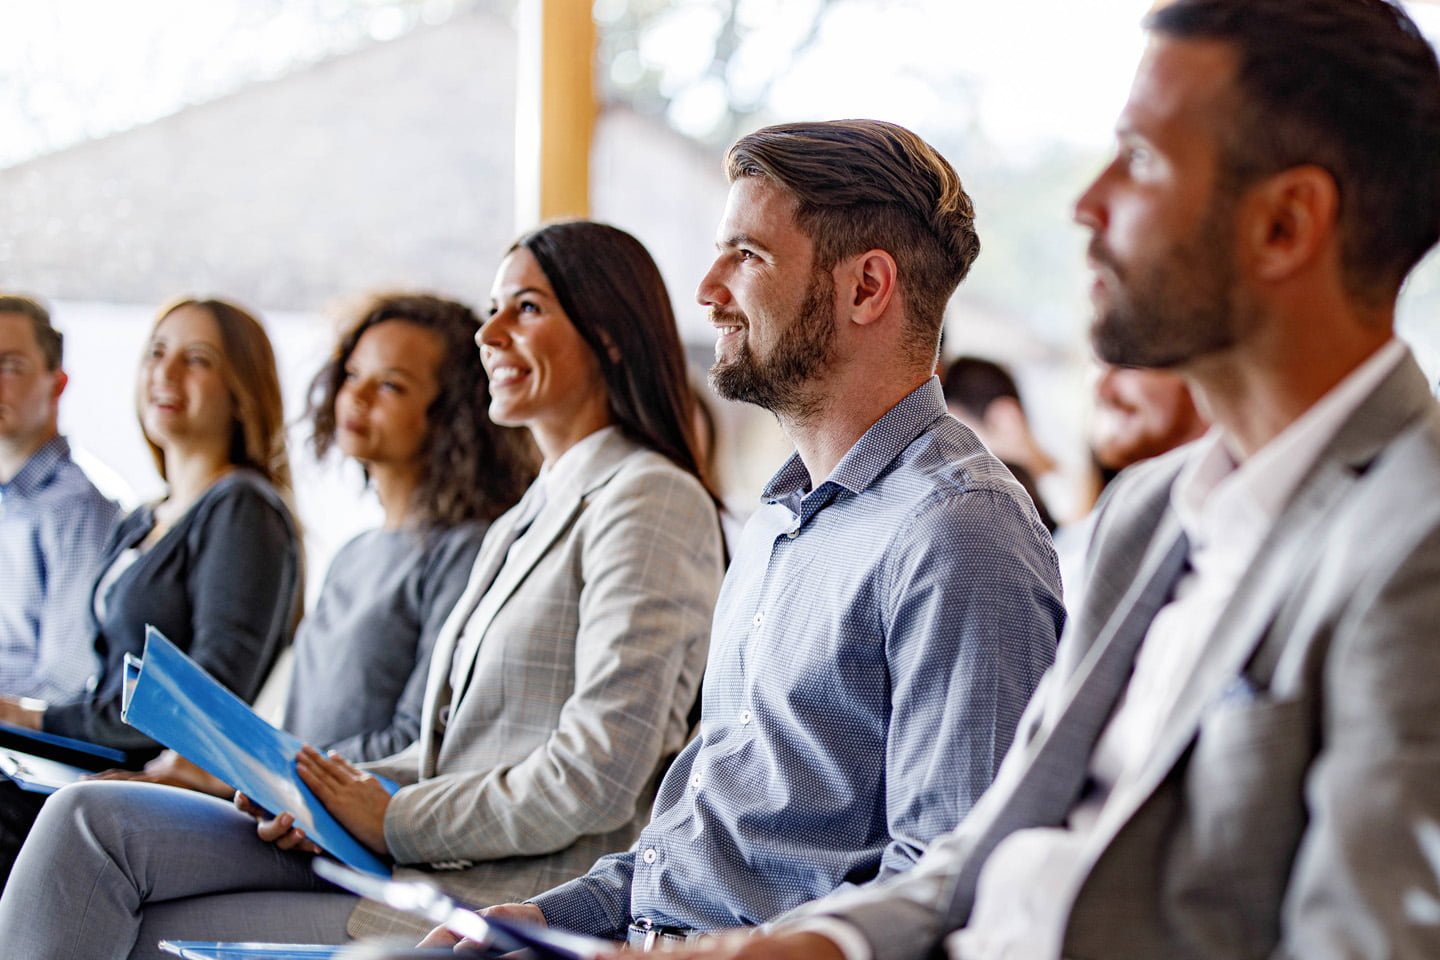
(893, 601)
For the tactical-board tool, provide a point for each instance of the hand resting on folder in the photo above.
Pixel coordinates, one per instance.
(524, 912)
(356, 799)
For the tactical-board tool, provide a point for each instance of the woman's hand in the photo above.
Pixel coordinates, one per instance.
(173, 770)
(352, 796)
(21, 712)
(278, 829)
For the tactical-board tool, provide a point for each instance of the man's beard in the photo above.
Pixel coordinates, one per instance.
(1175, 309)
(778, 382)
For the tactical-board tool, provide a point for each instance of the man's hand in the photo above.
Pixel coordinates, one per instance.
(21, 712)
(278, 829)
(522, 912)
(352, 796)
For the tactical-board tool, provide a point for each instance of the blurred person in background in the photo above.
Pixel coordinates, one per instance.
(53, 522)
(982, 395)
(215, 564)
(1139, 413)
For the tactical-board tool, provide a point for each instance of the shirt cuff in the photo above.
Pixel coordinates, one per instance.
(846, 936)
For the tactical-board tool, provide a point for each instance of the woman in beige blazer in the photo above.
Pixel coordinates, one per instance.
(560, 684)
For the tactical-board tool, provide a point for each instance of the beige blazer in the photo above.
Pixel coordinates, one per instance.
(578, 692)
(1293, 807)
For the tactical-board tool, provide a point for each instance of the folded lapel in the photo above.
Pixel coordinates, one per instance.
(438, 694)
(1284, 559)
(561, 508)
(1058, 757)
(1088, 696)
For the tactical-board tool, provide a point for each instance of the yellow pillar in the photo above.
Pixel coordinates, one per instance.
(554, 110)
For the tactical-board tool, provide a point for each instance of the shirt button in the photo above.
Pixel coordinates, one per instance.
(695, 780)
(792, 534)
(758, 619)
(746, 716)
(649, 855)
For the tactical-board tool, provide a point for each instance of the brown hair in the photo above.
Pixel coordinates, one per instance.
(866, 184)
(50, 340)
(610, 288)
(257, 434)
(473, 469)
(1348, 85)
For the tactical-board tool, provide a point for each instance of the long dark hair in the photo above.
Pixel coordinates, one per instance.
(474, 470)
(613, 293)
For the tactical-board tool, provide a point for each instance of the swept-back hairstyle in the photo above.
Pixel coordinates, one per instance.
(1348, 85)
(50, 340)
(863, 185)
(473, 469)
(257, 432)
(613, 293)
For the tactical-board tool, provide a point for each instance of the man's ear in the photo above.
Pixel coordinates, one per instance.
(871, 280)
(61, 380)
(1290, 221)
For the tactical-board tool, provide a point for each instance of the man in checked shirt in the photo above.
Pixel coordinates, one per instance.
(52, 519)
(893, 601)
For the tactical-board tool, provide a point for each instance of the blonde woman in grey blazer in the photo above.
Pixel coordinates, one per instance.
(560, 683)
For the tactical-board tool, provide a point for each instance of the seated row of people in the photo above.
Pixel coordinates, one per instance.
(1252, 645)
(896, 617)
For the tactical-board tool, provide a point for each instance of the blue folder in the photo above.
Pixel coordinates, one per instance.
(369, 950)
(174, 701)
(213, 950)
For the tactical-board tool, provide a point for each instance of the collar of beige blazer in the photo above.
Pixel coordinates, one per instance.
(494, 571)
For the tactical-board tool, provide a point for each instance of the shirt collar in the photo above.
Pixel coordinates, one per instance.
(563, 472)
(40, 467)
(1216, 491)
(876, 449)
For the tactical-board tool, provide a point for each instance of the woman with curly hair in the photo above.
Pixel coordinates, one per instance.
(405, 396)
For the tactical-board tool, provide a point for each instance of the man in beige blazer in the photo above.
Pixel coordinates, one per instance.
(1237, 753)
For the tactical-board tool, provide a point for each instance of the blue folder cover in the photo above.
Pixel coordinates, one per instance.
(212, 950)
(174, 701)
(369, 950)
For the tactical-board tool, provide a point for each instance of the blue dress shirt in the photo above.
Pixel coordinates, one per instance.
(53, 523)
(874, 645)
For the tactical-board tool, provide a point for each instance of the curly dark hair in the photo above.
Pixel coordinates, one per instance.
(474, 469)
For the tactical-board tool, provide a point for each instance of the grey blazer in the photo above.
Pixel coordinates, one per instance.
(578, 692)
(1293, 807)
